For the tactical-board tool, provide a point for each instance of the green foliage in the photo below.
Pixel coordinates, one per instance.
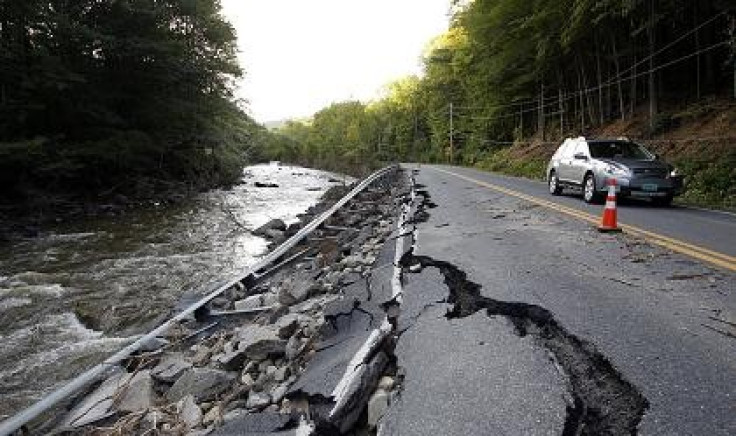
(93, 93)
(710, 182)
(502, 161)
(513, 69)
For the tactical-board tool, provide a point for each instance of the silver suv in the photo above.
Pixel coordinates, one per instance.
(588, 164)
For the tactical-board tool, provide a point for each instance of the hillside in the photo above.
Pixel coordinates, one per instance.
(697, 139)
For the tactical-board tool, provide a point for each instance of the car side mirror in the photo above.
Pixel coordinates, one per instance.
(580, 156)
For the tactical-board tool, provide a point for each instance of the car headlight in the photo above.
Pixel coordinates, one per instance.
(616, 171)
(674, 172)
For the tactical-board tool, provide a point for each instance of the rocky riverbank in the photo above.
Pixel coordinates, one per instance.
(305, 347)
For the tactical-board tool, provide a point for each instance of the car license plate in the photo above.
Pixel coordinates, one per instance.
(650, 187)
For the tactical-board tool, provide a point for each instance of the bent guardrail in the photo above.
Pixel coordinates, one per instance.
(94, 374)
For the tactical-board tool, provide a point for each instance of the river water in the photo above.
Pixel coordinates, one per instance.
(78, 293)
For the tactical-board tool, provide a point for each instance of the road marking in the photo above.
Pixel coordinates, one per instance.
(701, 253)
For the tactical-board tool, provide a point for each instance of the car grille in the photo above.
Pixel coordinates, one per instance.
(650, 172)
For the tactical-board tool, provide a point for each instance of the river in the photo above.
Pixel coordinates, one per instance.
(82, 290)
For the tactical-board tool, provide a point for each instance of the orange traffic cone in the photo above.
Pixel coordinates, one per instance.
(609, 222)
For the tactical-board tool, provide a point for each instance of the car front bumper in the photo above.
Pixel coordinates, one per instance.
(643, 187)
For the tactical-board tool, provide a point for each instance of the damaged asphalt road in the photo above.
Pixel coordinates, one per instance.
(540, 325)
(434, 306)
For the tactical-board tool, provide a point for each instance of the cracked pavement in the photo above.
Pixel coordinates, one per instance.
(651, 319)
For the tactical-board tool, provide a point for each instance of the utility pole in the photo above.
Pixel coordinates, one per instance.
(452, 145)
(540, 120)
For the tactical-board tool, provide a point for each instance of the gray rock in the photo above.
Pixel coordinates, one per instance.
(377, 406)
(258, 342)
(278, 392)
(252, 302)
(189, 411)
(386, 383)
(313, 304)
(293, 348)
(288, 324)
(154, 418)
(274, 235)
(233, 414)
(275, 224)
(232, 360)
(270, 299)
(258, 400)
(170, 368)
(247, 380)
(271, 371)
(137, 393)
(281, 374)
(201, 432)
(263, 366)
(296, 289)
(250, 367)
(203, 383)
(95, 406)
(154, 344)
(255, 424)
(213, 416)
(122, 391)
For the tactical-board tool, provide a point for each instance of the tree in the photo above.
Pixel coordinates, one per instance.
(96, 93)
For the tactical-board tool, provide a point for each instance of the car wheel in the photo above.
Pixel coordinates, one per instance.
(554, 184)
(663, 201)
(590, 192)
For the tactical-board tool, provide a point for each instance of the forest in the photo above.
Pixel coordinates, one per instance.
(509, 73)
(134, 97)
(118, 97)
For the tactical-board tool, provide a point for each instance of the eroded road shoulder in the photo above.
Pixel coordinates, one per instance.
(599, 334)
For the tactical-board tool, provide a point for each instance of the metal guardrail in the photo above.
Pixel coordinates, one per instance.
(17, 421)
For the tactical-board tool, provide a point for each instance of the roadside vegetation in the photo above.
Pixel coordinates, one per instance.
(510, 79)
(128, 97)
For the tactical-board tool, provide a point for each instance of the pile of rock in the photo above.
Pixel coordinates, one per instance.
(248, 362)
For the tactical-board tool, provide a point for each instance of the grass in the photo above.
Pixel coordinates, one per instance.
(503, 161)
(710, 181)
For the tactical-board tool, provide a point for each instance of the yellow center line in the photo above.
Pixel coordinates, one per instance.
(701, 253)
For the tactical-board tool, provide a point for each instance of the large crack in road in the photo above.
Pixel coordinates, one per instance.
(602, 401)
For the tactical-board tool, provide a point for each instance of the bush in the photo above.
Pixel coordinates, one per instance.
(502, 161)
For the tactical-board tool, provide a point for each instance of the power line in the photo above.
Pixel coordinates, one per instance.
(670, 45)
(613, 81)
(579, 93)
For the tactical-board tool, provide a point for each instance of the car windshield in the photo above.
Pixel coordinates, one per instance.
(614, 149)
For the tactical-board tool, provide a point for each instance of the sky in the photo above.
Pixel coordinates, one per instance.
(301, 55)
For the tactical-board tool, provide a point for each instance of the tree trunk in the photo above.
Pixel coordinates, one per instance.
(588, 97)
(561, 108)
(541, 126)
(619, 81)
(653, 102)
(582, 101)
(600, 80)
(697, 57)
(633, 96)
